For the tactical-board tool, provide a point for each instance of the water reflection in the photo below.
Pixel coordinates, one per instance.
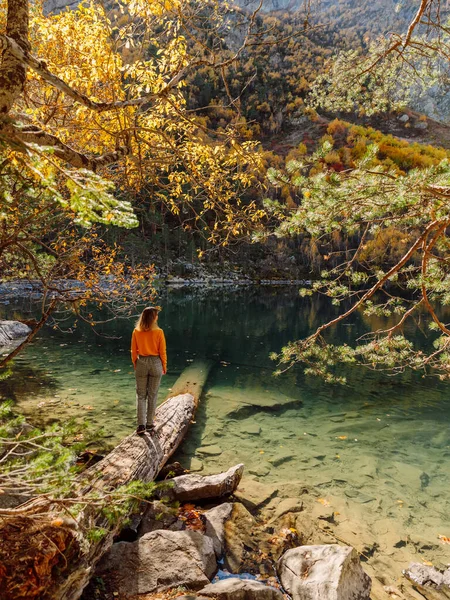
(376, 449)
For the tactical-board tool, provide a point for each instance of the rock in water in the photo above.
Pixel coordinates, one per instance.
(424, 575)
(330, 572)
(241, 589)
(215, 522)
(424, 480)
(12, 333)
(158, 561)
(194, 487)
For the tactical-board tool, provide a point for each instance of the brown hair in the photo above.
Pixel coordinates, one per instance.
(147, 318)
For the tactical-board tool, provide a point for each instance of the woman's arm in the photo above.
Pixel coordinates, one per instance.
(134, 348)
(163, 351)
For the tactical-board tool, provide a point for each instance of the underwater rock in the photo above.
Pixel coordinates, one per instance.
(210, 450)
(251, 429)
(254, 494)
(329, 571)
(260, 470)
(238, 534)
(287, 505)
(241, 589)
(195, 465)
(424, 480)
(281, 458)
(158, 561)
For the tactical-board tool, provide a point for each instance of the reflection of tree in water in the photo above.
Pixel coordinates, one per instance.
(25, 381)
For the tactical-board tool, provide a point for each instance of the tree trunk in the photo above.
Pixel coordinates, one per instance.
(47, 555)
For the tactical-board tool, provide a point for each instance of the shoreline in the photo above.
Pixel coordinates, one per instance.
(33, 289)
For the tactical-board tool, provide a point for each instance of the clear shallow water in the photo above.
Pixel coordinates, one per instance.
(377, 451)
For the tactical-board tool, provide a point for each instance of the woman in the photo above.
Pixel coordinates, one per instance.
(148, 353)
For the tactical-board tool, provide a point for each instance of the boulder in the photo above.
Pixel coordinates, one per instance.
(446, 577)
(12, 333)
(424, 575)
(194, 487)
(215, 519)
(281, 458)
(329, 572)
(238, 536)
(158, 561)
(209, 450)
(287, 505)
(260, 470)
(241, 589)
(159, 516)
(255, 495)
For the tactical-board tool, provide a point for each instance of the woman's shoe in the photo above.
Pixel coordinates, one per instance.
(140, 430)
(150, 428)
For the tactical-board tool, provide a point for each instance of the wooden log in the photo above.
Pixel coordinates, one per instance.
(46, 557)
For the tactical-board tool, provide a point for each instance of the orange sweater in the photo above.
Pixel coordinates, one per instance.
(149, 343)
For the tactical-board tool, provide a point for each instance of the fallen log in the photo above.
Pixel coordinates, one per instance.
(45, 553)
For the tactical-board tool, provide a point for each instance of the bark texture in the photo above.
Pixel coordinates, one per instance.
(13, 71)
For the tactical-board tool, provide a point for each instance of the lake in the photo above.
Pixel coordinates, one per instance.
(374, 453)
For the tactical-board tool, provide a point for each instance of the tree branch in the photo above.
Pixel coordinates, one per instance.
(40, 67)
(33, 135)
(419, 242)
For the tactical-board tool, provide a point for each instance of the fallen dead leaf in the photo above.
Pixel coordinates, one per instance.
(323, 501)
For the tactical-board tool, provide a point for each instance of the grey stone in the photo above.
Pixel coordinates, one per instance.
(330, 572)
(288, 505)
(239, 529)
(421, 125)
(254, 494)
(403, 118)
(424, 575)
(191, 597)
(211, 450)
(215, 519)
(158, 516)
(446, 577)
(195, 465)
(251, 429)
(281, 458)
(158, 561)
(197, 487)
(261, 470)
(12, 333)
(241, 589)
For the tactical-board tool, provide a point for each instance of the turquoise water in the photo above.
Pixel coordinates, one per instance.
(375, 452)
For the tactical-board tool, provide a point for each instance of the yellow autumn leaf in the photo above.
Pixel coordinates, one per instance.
(323, 501)
(58, 522)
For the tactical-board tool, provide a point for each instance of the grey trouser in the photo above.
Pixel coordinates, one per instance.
(148, 377)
